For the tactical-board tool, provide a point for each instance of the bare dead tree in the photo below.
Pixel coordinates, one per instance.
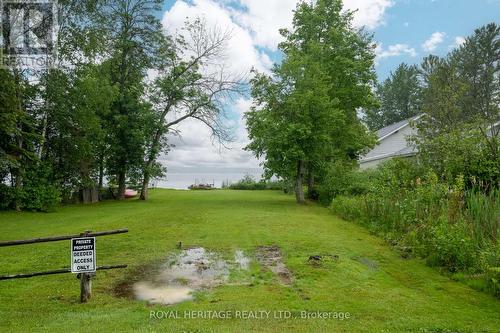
(193, 82)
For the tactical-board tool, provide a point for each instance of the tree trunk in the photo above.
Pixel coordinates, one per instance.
(299, 191)
(89, 195)
(44, 134)
(88, 192)
(18, 186)
(155, 148)
(310, 183)
(121, 185)
(145, 184)
(20, 169)
(101, 174)
(19, 179)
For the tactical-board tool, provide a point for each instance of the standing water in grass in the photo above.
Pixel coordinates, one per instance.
(191, 270)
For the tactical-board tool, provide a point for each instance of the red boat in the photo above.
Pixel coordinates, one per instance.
(130, 193)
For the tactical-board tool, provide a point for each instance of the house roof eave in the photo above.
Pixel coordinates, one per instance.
(399, 128)
(382, 156)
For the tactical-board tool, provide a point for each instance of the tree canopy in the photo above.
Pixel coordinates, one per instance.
(102, 115)
(400, 97)
(305, 115)
(459, 132)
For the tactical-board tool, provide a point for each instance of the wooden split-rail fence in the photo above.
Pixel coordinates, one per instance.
(85, 278)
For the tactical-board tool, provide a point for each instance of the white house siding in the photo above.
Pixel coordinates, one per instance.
(387, 148)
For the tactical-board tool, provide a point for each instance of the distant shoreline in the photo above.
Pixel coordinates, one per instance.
(182, 178)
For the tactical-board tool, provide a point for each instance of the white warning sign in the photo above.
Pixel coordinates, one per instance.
(83, 255)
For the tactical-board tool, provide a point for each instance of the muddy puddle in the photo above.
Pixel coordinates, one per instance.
(241, 260)
(185, 273)
(196, 269)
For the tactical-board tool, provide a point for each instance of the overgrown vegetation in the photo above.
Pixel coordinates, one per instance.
(447, 224)
(458, 133)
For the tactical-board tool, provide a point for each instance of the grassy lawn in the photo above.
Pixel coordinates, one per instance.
(381, 291)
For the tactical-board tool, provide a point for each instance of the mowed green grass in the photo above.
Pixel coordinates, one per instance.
(390, 294)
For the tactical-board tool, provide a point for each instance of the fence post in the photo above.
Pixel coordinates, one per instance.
(85, 287)
(85, 280)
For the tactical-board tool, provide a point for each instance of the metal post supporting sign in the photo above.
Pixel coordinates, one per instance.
(83, 255)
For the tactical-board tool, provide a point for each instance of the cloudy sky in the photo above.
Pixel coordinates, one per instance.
(405, 31)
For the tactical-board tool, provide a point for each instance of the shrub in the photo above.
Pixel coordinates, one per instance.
(248, 183)
(462, 150)
(493, 280)
(451, 246)
(343, 179)
(7, 196)
(275, 185)
(490, 261)
(38, 192)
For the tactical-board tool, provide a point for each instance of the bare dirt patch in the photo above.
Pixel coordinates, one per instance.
(270, 257)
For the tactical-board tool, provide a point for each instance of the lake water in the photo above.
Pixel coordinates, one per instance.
(181, 178)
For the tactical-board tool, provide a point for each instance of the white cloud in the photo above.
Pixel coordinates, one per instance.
(264, 18)
(432, 43)
(457, 42)
(240, 54)
(194, 147)
(370, 12)
(395, 50)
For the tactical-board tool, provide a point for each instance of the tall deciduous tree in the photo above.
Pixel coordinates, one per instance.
(17, 132)
(305, 116)
(400, 97)
(134, 34)
(76, 102)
